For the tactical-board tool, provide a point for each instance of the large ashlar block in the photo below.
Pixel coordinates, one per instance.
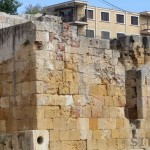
(51, 112)
(98, 90)
(143, 90)
(2, 125)
(42, 36)
(83, 123)
(31, 140)
(45, 123)
(59, 123)
(68, 75)
(93, 123)
(121, 133)
(73, 145)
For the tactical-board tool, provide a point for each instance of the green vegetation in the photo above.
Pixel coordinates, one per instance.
(9, 6)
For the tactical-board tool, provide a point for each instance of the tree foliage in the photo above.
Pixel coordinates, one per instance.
(9, 6)
(30, 9)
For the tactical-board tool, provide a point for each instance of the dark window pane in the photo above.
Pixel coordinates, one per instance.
(104, 16)
(105, 35)
(89, 13)
(90, 33)
(134, 20)
(120, 18)
(120, 35)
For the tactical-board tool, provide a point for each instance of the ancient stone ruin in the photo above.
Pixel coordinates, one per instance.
(59, 91)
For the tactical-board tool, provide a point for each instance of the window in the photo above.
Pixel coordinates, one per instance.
(104, 16)
(90, 33)
(120, 35)
(120, 18)
(105, 35)
(89, 14)
(134, 20)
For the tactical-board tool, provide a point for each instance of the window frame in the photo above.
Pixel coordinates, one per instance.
(131, 20)
(92, 30)
(105, 31)
(101, 16)
(123, 18)
(120, 33)
(93, 13)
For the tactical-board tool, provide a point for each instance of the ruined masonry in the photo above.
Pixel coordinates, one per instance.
(59, 91)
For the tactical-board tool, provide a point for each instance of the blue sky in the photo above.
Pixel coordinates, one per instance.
(129, 5)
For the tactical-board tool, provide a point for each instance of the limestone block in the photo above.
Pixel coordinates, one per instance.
(43, 99)
(74, 145)
(74, 135)
(54, 135)
(96, 134)
(64, 89)
(59, 123)
(65, 111)
(71, 66)
(31, 140)
(42, 36)
(71, 123)
(2, 125)
(113, 112)
(69, 100)
(85, 134)
(2, 114)
(79, 99)
(106, 134)
(18, 113)
(97, 111)
(4, 102)
(103, 123)
(92, 144)
(55, 145)
(68, 75)
(59, 99)
(93, 90)
(51, 112)
(39, 112)
(7, 89)
(112, 144)
(76, 111)
(102, 144)
(74, 88)
(119, 123)
(64, 135)
(45, 123)
(120, 133)
(83, 123)
(109, 101)
(86, 112)
(93, 123)
(102, 90)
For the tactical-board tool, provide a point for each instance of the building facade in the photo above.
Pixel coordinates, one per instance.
(101, 22)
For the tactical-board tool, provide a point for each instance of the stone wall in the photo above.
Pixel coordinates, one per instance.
(86, 93)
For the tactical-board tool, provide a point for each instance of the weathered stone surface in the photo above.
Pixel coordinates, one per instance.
(86, 93)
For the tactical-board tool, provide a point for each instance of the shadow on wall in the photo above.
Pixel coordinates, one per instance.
(131, 111)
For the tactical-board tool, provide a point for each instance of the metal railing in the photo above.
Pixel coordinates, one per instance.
(72, 18)
(145, 27)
